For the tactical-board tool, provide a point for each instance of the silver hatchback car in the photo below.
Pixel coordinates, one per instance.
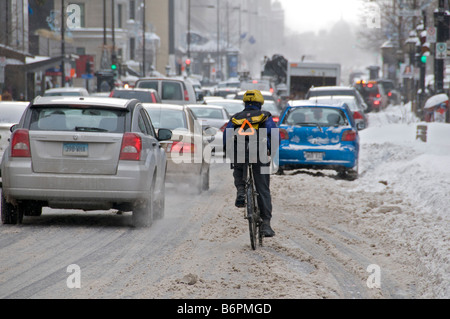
(84, 153)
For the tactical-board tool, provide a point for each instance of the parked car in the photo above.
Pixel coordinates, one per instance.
(171, 91)
(143, 95)
(215, 118)
(187, 163)
(84, 153)
(10, 114)
(232, 106)
(359, 116)
(66, 91)
(320, 136)
(338, 90)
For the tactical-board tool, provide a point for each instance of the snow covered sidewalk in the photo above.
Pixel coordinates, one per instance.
(393, 159)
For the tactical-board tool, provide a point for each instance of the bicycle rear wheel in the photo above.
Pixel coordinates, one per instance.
(251, 217)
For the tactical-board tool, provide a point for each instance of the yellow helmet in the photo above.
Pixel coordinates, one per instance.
(253, 96)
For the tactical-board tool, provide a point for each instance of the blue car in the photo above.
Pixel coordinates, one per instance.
(320, 136)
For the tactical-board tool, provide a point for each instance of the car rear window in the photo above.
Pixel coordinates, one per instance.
(11, 115)
(148, 85)
(89, 119)
(172, 91)
(207, 113)
(63, 94)
(169, 119)
(313, 93)
(315, 115)
(144, 97)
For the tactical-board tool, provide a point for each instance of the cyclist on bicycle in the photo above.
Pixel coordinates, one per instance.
(254, 100)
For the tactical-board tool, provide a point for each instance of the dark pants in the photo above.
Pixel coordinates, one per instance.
(262, 183)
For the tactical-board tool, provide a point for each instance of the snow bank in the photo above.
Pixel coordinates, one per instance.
(391, 156)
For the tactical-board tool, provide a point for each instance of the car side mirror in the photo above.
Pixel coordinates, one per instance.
(360, 126)
(164, 134)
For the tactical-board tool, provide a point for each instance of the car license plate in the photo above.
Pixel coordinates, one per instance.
(314, 156)
(75, 149)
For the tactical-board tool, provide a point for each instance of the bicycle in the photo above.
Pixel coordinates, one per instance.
(252, 213)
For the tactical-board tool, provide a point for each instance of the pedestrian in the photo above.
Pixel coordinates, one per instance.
(6, 96)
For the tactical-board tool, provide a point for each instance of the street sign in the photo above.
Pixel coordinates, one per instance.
(441, 50)
(431, 34)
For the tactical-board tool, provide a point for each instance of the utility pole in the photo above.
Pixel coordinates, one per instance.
(441, 21)
(143, 38)
(189, 31)
(63, 46)
(219, 62)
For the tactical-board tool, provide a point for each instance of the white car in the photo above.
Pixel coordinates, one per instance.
(67, 91)
(215, 118)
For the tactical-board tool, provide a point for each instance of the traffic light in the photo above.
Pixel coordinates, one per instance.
(114, 62)
(188, 66)
(424, 52)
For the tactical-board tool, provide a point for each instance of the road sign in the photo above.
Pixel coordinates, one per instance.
(441, 50)
(431, 34)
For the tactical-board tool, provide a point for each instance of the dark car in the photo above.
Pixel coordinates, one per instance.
(373, 94)
(393, 94)
(143, 95)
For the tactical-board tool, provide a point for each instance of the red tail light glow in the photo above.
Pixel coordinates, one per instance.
(131, 147)
(20, 146)
(224, 127)
(182, 147)
(348, 136)
(186, 95)
(284, 135)
(376, 102)
(357, 115)
(378, 95)
(276, 119)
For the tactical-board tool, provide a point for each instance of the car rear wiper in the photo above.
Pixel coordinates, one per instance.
(90, 129)
(311, 124)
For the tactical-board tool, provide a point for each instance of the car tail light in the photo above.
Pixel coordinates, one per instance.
(276, 119)
(131, 147)
(111, 94)
(348, 136)
(284, 135)
(378, 95)
(376, 102)
(186, 95)
(182, 147)
(390, 94)
(224, 127)
(357, 115)
(20, 145)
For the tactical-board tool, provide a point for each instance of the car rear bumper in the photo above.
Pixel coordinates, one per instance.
(336, 157)
(132, 182)
(183, 172)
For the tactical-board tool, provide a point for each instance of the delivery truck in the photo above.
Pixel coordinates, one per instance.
(304, 75)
